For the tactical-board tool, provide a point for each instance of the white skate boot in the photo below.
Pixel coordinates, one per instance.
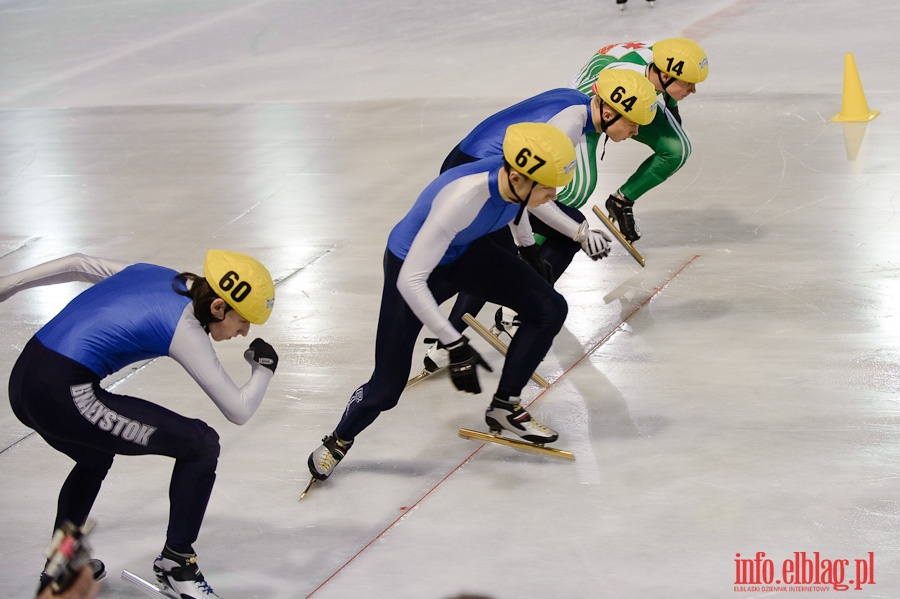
(179, 576)
(505, 321)
(436, 357)
(511, 416)
(325, 459)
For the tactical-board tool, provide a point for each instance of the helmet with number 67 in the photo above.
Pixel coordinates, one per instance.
(627, 92)
(541, 152)
(243, 282)
(681, 58)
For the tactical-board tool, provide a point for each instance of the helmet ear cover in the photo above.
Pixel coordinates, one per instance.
(242, 282)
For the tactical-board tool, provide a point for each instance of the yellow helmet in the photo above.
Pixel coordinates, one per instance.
(627, 92)
(681, 58)
(541, 152)
(243, 282)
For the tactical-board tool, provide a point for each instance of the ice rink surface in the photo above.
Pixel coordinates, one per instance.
(738, 395)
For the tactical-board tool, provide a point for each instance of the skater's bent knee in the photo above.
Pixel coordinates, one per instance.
(205, 442)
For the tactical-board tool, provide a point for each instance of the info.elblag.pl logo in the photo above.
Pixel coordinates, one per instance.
(802, 572)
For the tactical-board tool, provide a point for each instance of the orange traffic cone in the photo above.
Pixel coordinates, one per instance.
(854, 108)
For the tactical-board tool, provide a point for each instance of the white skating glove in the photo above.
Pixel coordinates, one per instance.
(594, 243)
(261, 353)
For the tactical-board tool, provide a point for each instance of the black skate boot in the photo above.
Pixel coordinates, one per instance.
(621, 212)
(503, 415)
(179, 575)
(325, 459)
(621, 4)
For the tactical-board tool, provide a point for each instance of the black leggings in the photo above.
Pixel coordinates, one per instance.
(63, 401)
(485, 270)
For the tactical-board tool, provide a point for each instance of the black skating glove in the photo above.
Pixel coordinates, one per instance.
(532, 255)
(464, 363)
(261, 353)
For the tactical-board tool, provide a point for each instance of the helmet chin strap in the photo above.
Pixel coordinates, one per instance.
(522, 203)
(604, 125)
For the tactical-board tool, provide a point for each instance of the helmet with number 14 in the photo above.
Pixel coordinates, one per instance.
(682, 64)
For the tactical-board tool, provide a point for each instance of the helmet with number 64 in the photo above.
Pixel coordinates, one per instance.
(627, 92)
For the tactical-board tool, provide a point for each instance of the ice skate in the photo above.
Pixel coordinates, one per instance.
(512, 417)
(436, 360)
(177, 577)
(621, 4)
(436, 357)
(325, 459)
(621, 212)
(505, 322)
(618, 234)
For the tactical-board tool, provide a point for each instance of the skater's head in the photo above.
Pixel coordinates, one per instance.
(235, 291)
(538, 158)
(624, 100)
(679, 64)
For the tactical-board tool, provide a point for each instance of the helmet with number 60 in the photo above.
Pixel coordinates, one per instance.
(627, 92)
(243, 282)
(541, 152)
(681, 58)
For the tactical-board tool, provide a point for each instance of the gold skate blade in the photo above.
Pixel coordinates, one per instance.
(147, 588)
(312, 481)
(501, 347)
(516, 444)
(421, 377)
(618, 235)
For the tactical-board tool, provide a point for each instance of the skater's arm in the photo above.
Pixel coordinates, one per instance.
(551, 214)
(75, 267)
(451, 212)
(191, 347)
(522, 233)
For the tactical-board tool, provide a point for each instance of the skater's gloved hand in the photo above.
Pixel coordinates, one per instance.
(464, 363)
(261, 353)
(532, 255)
(594, 243)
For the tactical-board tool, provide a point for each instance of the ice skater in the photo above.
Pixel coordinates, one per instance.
(136, 312)
(438, 249)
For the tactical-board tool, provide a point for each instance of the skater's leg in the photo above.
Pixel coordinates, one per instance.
(671, 148)
(64, 403)
(504, 279)
(398, 328)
